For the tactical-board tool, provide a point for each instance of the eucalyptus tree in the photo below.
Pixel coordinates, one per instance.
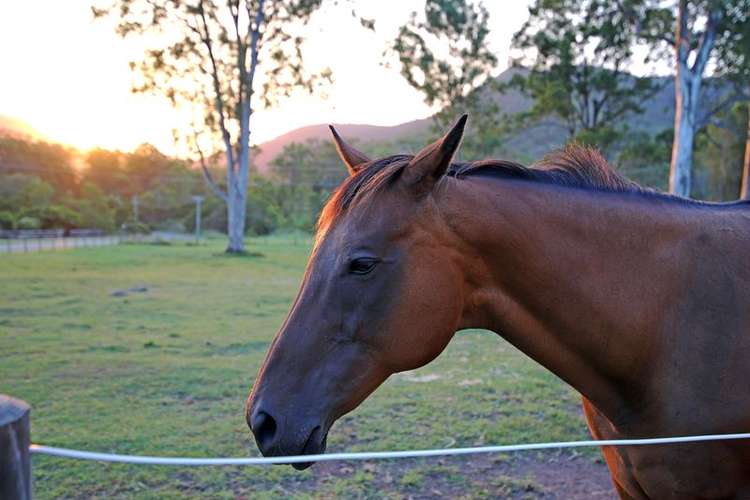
(578, 57)
(702, 38)
(219, 59)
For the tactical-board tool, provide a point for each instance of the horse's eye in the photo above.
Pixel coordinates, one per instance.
(362, 266)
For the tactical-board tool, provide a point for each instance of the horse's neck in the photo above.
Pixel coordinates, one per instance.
(563, 275)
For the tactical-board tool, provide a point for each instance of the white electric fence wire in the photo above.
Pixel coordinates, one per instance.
(374, 455)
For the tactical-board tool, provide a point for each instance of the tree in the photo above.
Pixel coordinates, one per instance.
(717, 160)
(23, 200)
(95, 209)
(52, 163)
(574, 57)
(444, 53)
(104, 169)
(733, 63)
(143, 168)
(644, 158)
(688, 78)
(212, 57)
(698, 32)
(578, 55)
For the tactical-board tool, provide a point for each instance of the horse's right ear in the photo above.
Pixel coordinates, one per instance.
(426, 168)
(353, 159)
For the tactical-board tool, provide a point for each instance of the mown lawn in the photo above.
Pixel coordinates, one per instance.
(166, 372)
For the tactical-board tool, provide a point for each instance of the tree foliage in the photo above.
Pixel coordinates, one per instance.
(577, 56)
(444, 53)
(52, 163)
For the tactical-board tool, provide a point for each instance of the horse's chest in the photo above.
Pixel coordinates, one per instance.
(706, 470)
(681, 471)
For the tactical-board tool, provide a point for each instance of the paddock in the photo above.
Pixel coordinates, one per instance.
(162, 370)
(15, 451)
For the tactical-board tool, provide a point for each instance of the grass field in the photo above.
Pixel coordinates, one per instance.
(166, 371)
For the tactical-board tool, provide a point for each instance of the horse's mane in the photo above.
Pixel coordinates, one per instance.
(574, 165)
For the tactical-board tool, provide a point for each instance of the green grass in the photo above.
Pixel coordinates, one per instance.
(167, 371)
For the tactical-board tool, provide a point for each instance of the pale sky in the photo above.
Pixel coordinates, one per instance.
(68, 76)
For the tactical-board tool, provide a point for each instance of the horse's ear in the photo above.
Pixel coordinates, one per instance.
(426, 168)
(353, 159)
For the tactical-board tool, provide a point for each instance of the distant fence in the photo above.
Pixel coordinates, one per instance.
(20, 234)
(25, 241)
(37, 244)
(56, 239)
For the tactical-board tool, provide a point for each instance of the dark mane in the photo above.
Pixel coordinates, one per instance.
(575, 166)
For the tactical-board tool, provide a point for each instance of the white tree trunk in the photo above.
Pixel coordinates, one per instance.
(745, 187)
(687, 91)
(236, 219)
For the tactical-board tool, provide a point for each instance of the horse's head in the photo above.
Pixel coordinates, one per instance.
(381, 294)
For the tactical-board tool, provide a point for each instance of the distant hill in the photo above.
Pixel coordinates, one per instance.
(359, 132)
(531, 143)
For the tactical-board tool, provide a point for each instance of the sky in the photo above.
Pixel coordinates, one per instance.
(68, 77)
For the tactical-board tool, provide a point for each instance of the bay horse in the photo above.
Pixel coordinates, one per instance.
(637, 299)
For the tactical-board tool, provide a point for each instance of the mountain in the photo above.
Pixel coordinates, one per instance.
(358, 132)
(529, 144)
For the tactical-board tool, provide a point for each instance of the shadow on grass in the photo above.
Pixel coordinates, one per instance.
(245, 254)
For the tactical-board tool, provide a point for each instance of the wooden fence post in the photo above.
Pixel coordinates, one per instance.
(15, 459)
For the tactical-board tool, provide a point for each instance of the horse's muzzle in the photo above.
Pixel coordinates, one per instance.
(274, 441)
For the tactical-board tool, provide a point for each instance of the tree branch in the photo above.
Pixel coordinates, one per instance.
(706, 43)
(255, 36)
(219, 104)
(207, 174)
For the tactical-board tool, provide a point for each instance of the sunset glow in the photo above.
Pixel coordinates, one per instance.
(68, 77)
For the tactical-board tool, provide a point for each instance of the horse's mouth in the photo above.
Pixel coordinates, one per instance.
(315, 445)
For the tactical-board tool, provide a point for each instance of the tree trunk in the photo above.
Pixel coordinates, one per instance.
(236, 219)
(745, 187)
(687, 91)
(680, 173)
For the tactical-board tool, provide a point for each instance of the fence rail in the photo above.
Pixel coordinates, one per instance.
(16, 447)
(374, 455)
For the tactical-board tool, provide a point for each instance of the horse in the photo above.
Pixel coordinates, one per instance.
(638, 299)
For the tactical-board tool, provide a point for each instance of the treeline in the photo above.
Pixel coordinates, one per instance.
(49, 186)
(640, 155)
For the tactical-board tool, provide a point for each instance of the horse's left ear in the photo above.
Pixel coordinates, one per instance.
(353, 159)
(426, 168)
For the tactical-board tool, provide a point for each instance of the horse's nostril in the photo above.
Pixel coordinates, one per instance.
(263, 426)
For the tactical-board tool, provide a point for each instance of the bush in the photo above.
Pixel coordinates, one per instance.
(28, 223)
(135, 227)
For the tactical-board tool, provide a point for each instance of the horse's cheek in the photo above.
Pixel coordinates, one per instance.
(424, 320)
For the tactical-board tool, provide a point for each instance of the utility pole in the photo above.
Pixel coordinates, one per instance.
(134, 202)
(198, 202)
